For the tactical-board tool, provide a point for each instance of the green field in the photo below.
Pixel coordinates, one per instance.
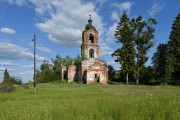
(73, 101)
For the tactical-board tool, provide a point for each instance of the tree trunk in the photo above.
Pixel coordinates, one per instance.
(137, 73)
(137, 77)
(127, 81)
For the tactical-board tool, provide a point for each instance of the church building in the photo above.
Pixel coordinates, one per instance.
(90, 69)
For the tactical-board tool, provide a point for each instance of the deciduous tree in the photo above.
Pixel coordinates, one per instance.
(143, 33)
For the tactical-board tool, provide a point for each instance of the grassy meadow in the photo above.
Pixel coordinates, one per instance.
(73, 101)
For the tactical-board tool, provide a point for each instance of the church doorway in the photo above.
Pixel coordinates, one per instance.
(97, 77)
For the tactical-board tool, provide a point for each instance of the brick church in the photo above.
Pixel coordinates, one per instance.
(91, 69)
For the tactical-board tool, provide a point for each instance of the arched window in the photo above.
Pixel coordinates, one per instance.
(91, 53)
(91, 38)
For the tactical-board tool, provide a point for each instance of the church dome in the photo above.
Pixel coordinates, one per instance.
(89, 25)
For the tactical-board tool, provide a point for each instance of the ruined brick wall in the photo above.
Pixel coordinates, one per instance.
(91, 77)
(71, 72)
(97, 73)
(85, 65)
(89, 71)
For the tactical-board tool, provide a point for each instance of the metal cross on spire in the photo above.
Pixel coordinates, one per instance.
(90, 20)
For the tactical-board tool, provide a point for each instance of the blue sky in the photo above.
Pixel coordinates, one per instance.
(59, 25)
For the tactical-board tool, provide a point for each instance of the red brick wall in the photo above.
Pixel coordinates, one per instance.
(71, 73)
(86, 46)
(97, 68)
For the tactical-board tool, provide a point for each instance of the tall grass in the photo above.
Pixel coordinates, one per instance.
(68, 101)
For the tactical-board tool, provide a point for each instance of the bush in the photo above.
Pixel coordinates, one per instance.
(16, 80)
(7, 88)
(25, 87)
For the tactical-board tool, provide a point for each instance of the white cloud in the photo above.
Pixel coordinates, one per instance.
(41, 47)
(28, 66)
(114, 64)
(66, 21)
(110, 33)
(114, 16)
(125, 6)
(105, 49)
(16, 2)
(6, 63)
(3, 69)
(13, 52)
(7, 30)
(42, 6)
(101, 2)
(156, 7)
(26, 73)
(44, 49)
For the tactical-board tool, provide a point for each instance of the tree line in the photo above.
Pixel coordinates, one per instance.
(135, 36)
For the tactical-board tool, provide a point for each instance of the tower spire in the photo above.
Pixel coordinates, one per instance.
(90, 20)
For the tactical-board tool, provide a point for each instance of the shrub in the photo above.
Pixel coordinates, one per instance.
(25, 87)
(16, 80)
(7, 88)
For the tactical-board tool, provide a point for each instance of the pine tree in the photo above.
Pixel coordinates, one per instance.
(174, 53)
(6, 78)
(161, 63)
(143, 32)
(126, 54)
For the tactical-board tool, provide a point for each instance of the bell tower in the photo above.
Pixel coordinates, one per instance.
(90, 47)
(90, 69)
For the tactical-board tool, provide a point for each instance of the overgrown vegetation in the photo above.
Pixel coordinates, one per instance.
(9, 82)
(52, 72)
(67, 101)
(7, 88)
(7, 79)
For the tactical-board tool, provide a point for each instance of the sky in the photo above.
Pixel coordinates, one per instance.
(59, 24)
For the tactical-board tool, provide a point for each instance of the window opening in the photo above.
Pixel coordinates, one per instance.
(91, 38)
(91, 53)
